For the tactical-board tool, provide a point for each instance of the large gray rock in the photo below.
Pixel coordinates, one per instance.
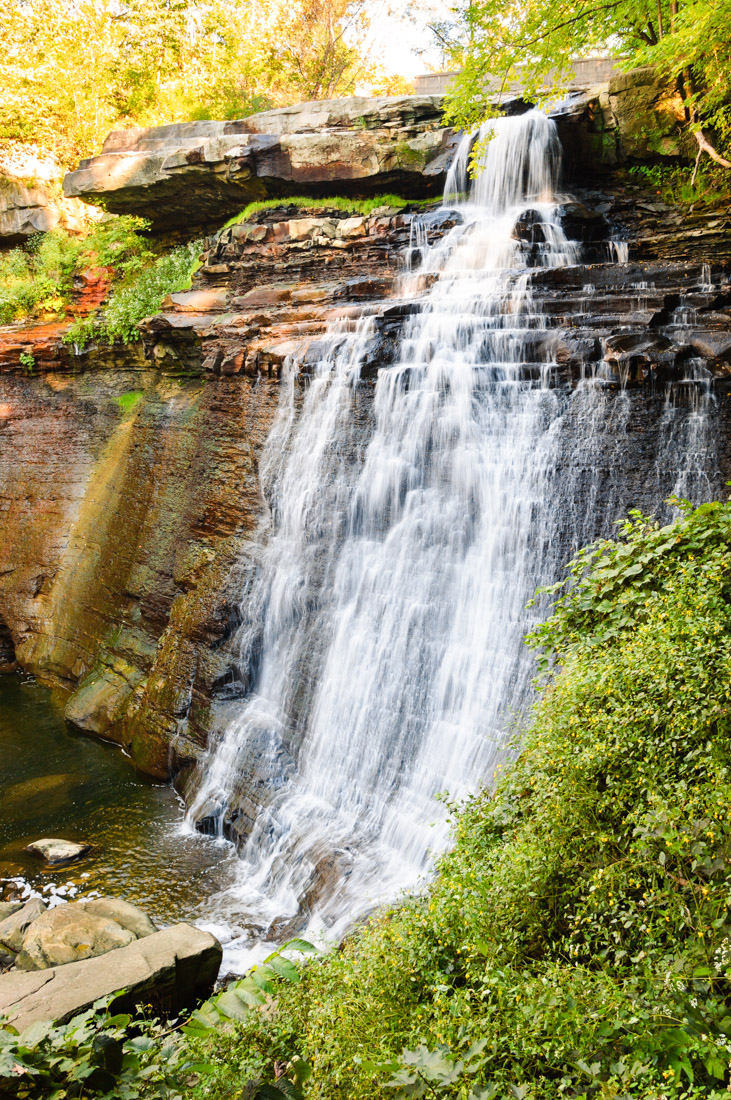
(7, 908)
(54, 850)
(123, 912)
(201, 172)
(30, 196)
(634, 118)
(13, 929)
(67, 934)
(170, 970)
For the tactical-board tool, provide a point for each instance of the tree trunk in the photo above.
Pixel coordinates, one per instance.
(706, 147)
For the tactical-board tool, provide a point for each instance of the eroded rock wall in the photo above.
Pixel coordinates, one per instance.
(123, 493)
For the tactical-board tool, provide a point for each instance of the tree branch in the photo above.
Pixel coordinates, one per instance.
(567, 22)
(706, 147)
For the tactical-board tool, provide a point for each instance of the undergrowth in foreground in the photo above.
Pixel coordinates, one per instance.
(577, 941)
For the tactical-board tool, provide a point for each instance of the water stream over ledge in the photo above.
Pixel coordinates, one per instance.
(381, 646)
(380, 656)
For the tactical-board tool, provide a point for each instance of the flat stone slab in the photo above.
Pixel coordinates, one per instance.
(197, 173)
(171, 970)
(54, 850)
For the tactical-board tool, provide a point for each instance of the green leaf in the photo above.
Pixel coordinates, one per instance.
(232, 1005)
(298, 944)
(284, 968)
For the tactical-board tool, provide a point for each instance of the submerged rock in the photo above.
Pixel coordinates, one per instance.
(68, 934)
(58, 851)
(171, 970)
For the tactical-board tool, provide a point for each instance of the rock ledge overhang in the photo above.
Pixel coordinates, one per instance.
(198, 173)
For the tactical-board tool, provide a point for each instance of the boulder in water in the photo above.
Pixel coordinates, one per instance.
(123, 912)
(529, 227)
(14, 927)
(56, 851)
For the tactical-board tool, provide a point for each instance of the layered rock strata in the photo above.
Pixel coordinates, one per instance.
(129, 488)
(199, 173)
(31, 198)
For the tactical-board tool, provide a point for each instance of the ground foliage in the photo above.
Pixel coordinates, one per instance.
(495, 42)
(577, 939)
(38, 279)
(37, 282)
(102, 1054)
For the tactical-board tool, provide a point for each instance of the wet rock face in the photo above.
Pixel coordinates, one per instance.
(131, 506)
(203, 172)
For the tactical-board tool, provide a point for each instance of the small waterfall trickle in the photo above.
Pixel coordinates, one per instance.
(381, 642)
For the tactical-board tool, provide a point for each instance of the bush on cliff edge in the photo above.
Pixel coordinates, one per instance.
(577, 941)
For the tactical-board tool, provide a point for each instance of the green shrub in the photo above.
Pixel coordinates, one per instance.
(673, 183)
(100, 1056)
(580, 929)
(94, 1055)
(39, 278)
(136, 297)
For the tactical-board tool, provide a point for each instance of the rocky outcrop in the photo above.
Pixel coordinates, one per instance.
(67, 934)
(37, 938)
(171, 970)
(200, 173)
(31, 197)
(129, 484)
(635, 118)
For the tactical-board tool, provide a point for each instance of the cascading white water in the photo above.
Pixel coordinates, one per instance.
(383, 625)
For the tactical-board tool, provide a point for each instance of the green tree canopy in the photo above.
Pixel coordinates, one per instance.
(72, 70)
(535, 41)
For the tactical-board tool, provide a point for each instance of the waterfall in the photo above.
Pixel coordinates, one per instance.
(381, 644)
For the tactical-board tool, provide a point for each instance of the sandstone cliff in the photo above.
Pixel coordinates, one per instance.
(129, 482)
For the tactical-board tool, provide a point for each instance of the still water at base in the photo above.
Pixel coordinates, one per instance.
(55, 782)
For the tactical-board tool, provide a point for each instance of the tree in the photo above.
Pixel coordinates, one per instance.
(536, 40)
(72, 70)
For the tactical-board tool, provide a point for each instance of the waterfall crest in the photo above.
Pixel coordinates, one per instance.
(381, 642)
